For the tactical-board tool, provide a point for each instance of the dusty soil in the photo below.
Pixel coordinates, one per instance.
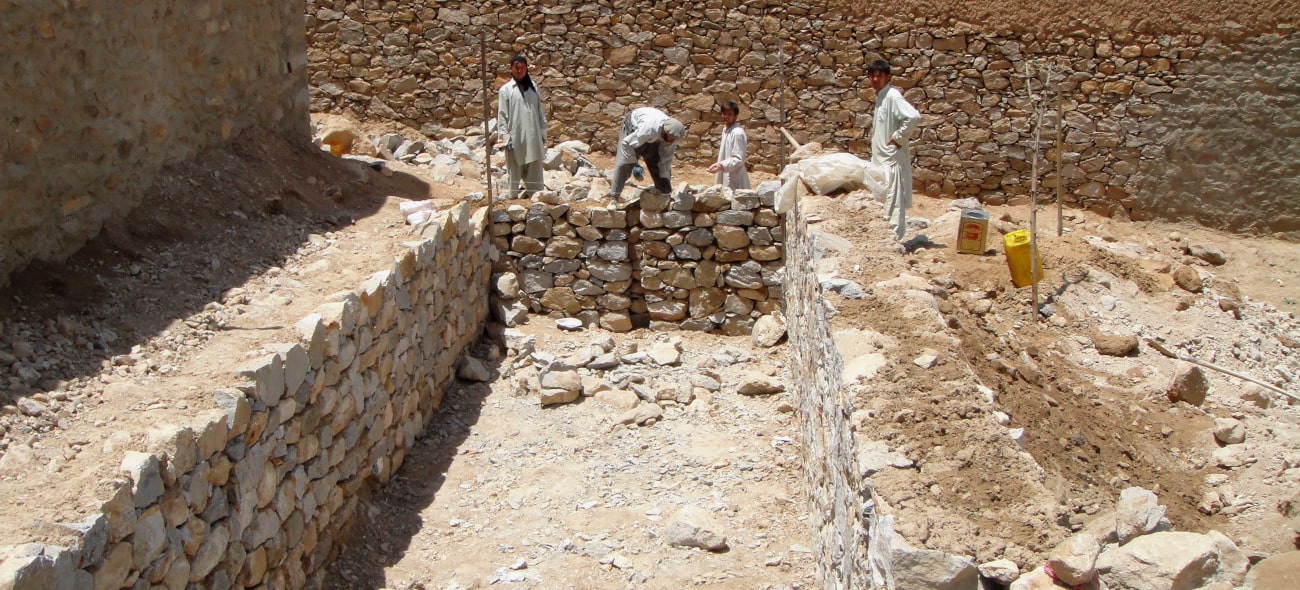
(137, 329)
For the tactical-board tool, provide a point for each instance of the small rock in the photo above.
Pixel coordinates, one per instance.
(695, 527)
(1073, 561)
(569, 324)
(927, 359)
(768, 330)
(1138, 512)
(1229, 431)
(472, 369)
(755, 384)
(666, 354)
(1002, 571)
(1112, 345)
(1187, 278)
(643, 415)
(1189, 385)
(1207, 253)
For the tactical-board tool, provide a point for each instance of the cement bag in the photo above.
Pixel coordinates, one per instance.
(876, 179)
(829, 173)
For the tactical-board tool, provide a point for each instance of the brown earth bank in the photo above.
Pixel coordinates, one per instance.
(137, 329)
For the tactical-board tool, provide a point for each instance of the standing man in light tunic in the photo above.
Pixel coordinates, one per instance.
(521, 125)
(732, 151)
(894, 121)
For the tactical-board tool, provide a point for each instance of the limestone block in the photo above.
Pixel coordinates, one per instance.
(1138, 512)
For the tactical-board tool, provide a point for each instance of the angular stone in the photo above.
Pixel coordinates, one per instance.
(768, 330)
(1074, 561)
(145, 471)
(668, 310)
(1138, 512)
(730, 237)
(616, 321)
(1189, 385)
(693, 526)
(1173, 560)
(756, 384)
(1187, 278)
(1229, 431)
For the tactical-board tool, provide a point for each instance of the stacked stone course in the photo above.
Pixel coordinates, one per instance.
(1129, 97)
(257, 492)
(704, 258)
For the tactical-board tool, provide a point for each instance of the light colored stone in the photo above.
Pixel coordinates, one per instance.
(693, 526)
(1138, 512)
(755, 384)
(1188, 385)
(768, 330)
(1229, 431)
(1002, 571)
(1173, 560)
(1073, 562)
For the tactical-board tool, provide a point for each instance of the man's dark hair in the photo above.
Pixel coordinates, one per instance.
(518, 58)
(879, 65)
(731, 106)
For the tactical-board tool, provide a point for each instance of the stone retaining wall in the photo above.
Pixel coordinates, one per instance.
(97, 97)
(702, 259)
(836, 492)
(1131, 99)
(255, 494)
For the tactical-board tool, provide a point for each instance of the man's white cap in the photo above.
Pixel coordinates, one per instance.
(674, 128)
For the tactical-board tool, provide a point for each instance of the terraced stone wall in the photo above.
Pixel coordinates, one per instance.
(256, 492)
(98, 96)
(702, 259)
(1169, 115)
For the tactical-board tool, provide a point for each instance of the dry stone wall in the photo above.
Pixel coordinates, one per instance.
(704, 258)
(257, 492)
(836, 492)
(97, 97)
(1130, 92)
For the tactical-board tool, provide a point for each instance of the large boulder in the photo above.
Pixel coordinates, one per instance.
(1166, 560)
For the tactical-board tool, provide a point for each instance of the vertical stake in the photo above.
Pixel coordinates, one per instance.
(487, 99)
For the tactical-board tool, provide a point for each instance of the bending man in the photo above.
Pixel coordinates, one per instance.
(732, 151)
(647, 133)
(894, 121)
(521, 124)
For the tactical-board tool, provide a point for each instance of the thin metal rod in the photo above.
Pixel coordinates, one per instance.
(1195, 361)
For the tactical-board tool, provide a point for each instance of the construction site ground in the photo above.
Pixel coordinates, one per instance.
(137, 329)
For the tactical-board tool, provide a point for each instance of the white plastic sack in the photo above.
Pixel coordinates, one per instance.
(831, 172)
(419, 217)
(409, 207)
(876, 179)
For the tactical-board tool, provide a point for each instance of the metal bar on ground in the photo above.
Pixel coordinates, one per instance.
(1195, 361)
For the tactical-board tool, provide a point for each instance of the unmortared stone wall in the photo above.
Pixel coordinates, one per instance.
(97, 96)
(257, 492)
(1172, 115)
(703, 259)
(836, 494)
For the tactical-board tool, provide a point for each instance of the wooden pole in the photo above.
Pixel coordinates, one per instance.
(780, 65)
(1033, 189)
(487, 100)
(1060, 174)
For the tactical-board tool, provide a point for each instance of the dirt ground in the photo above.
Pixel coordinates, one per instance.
(137, 329)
